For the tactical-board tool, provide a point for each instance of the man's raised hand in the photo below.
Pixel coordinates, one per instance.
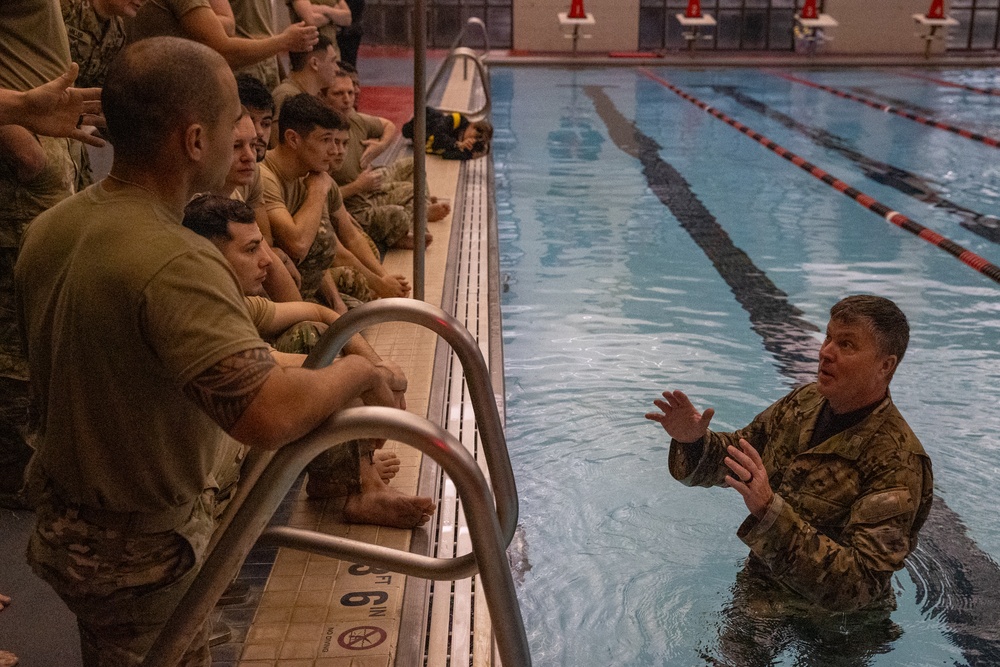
(679, 418)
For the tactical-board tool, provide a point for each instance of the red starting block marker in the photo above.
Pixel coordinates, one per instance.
(937, 10)
(809, 10)
(576, 10)
(693, 9)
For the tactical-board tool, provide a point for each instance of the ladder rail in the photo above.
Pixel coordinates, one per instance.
(477, 376)
(491, 513)
(466, 55)
(250, 523)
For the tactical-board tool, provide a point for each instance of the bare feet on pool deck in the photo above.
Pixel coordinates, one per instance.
(406, 243)
(386, 464)
(437, 211)
(388, 507)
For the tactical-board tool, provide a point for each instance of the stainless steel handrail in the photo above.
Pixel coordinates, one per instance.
(251, 519)
(268, 477)
(477, 376)
(466, 54)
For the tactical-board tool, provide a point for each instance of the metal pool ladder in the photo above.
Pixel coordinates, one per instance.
(268, 477)
(467, 55)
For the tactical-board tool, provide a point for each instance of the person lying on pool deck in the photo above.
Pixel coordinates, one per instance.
(453, 136)
(836, 483)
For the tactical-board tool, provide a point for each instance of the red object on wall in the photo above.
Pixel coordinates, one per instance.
(809, 10)
(693, 10)
(937, 10)
(576, 10)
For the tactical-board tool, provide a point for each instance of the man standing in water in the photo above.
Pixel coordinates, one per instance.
(836, 483)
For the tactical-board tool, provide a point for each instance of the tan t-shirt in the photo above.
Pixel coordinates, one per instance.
(283, 191)
(161, 18)
(122, 308)
(261, 311)
(287, 88)
(34, 48)
(252, 194)
(255, 21)
(363, 127)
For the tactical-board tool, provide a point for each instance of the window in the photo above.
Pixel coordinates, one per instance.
(391, 22)
(759, 25)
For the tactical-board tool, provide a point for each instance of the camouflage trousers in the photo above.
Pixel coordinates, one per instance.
(14, 404)
(122, 586)
(764, 621)
(353, 286)
(338, 469)
(387, 215)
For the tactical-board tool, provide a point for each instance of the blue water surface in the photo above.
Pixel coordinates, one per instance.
(608, 301)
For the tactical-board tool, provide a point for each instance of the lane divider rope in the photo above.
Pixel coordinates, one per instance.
(964, 255)
(923, 120)
(950, 84)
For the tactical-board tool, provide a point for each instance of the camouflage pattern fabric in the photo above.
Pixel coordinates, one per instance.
(20, 203)
(93, 42)
(385, 224)
(121, 586)
(317, 260)
(352, 284)
(845, 513)
(338, 469)
(300, 338)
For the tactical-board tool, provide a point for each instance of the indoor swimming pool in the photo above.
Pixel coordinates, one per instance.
(647, 244)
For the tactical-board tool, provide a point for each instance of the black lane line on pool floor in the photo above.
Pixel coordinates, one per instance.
(907, 182)
(923, 120)
(787, 334)
(954, 578)
(964, 255)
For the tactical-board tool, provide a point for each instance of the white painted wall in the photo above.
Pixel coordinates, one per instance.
(536, 27)
(879, 26)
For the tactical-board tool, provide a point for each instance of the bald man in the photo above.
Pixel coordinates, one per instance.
(122, 473)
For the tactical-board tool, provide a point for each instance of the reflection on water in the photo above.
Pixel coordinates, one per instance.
(610, 301)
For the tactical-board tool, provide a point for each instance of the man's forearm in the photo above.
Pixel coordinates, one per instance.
(294, 401)
(297, 240)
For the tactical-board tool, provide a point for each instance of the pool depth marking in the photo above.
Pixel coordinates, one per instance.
(954, 579)
(923, 120)
(786, 333)
(964, 255)
(904, 181)
(950, 84)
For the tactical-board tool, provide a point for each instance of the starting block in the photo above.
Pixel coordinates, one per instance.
(933, 20)
(692, 21)
(813, 31)
(575, 18)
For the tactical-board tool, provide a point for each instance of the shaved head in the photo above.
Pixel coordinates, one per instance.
(159, 85)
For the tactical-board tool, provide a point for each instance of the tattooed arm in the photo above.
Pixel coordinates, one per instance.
(265, 405)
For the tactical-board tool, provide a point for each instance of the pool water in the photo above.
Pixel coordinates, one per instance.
(611, 296)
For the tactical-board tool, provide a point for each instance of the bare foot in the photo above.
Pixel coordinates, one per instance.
(386, 464)
(7, 659)
(437, 211)
(4, 601)
(388, 507)
(406, 243)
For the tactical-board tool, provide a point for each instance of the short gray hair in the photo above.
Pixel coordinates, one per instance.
(887, 322)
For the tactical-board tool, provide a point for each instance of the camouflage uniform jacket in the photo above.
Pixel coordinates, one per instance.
(93, 41)
(845, 513)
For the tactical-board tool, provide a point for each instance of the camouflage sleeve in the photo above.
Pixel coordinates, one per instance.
(855, 571)
(700, 463)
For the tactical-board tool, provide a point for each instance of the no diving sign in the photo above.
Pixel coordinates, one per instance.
(362, 637)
